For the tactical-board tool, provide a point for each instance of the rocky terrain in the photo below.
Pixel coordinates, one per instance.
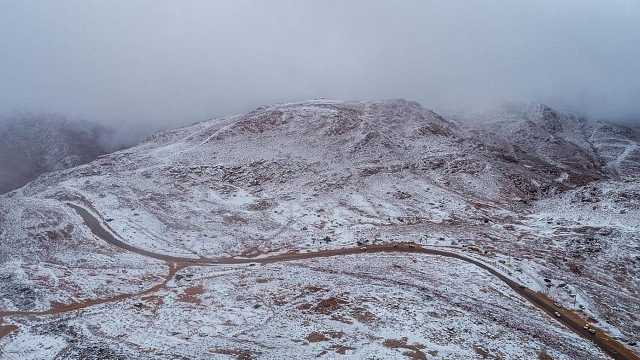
(31, 145)
(160, 251)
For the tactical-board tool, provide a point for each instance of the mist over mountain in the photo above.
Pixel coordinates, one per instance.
(144, 65)
(32, 144)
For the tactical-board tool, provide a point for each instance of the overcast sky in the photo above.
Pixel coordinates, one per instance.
(149, 64)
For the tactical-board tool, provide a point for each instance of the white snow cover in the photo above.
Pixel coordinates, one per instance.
(323, 175)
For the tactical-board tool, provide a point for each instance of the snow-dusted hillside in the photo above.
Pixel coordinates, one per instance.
(586, 149)
(327, 175)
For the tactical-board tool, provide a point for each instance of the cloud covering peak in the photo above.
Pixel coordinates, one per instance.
(148, 64)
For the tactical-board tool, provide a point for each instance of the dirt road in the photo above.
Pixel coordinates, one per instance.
(568, 318)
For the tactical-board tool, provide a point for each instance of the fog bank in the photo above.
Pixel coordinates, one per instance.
(144, 65)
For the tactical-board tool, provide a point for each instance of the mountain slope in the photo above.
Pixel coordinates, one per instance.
(585, 148)
(324, 175)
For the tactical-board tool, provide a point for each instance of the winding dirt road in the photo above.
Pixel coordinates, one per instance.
(568, 318)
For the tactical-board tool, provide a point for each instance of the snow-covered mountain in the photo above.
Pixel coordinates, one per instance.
(150, 239)
(579, 145)
(34, 144)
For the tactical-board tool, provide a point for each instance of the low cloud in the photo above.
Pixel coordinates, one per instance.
(144, 65)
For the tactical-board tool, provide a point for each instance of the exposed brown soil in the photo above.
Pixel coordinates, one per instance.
(334, 334)
(329, 305)
(484, 353)
(6, 330)
(342, 319)
(324, 336)
(414, 351)
(314, 289)
(234, 219)
(238, 353)
(316, 337)
(192, 295)
(542, 355)
(341, 349)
